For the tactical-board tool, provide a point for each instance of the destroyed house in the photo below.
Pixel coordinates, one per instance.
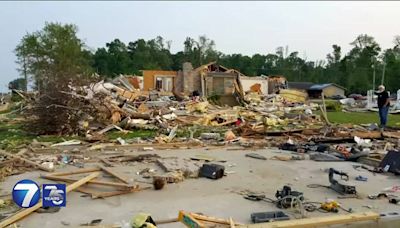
(257, 84)
(211, 80)
(161, 80)
(276, 83)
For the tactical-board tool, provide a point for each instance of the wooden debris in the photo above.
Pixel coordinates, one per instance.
(116, 193)
(141, 157)
(391, 134)
(367, 134)
(26, 161)
(108, 128)
(118, 176)
(77, 171)
(116, 117)
(97, 194)
(232, 223)
(96, 182)
(106, 162)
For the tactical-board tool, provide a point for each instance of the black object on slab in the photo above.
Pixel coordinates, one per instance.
(392, 158)
(212, 171)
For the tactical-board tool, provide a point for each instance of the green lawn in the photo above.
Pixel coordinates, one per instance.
(13, 135)
(133, 134)
(361, 118)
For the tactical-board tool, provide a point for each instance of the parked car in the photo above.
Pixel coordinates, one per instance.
(357, 96)
(337, 97)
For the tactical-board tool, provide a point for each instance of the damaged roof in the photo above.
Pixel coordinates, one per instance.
(300, 85)
(323, 86)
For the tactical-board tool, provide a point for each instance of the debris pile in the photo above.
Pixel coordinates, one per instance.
(287, 120)
(100, 107)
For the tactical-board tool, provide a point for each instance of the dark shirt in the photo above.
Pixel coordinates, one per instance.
(382, 97)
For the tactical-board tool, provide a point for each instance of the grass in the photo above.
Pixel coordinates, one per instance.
(13, 135)
(361, 118)
(132, 134)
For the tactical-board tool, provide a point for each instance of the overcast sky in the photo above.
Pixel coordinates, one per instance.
(237, 27)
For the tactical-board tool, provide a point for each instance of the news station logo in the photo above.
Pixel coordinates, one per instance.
(26, 193)
(54, 195)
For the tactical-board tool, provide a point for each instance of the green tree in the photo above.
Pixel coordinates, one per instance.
(201, 51)
(55, 58)
(101, 62)
(152, 54)
(51, 54)
(333, 70)
(119, 61)
(391, 58)
(360, 63)
(17, 84)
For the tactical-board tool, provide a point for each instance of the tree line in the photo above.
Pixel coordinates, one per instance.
(57, 47)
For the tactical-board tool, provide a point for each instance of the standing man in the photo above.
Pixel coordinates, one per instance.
(383, 105)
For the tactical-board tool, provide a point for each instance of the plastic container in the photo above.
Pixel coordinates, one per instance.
(268, 216)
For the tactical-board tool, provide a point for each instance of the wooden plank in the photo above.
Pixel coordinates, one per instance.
(25, 212)
(116, 175)
(87, 191)
(189, 221)
(96, 194)
(318, 221)
(324, 114)
(81, 182)
(210, 219)
(96, 182)
(76, 171)
(3, 163)
(116, 193)
(367, 134)
(26, 161)
(391, 134)
(166, 221)
(232, 224)
(106, 162)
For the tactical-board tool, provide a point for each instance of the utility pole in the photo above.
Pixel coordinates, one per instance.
(383, 72)
(373, 78)
(373, 74)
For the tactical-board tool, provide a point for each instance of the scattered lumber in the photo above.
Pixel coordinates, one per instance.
(391, 134)
(96, 182)
(118, 176)
(78, 171)
(106, 162)
(115, 193)
(26, 161)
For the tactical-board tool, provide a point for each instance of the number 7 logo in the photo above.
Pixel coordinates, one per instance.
(26, 193)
